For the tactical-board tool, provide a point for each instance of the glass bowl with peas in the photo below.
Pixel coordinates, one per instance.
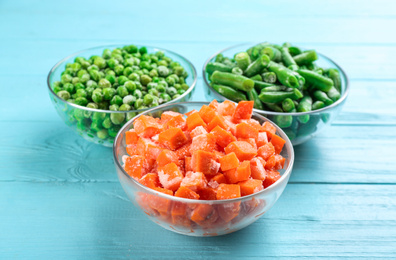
(96, 91)
(302, 91)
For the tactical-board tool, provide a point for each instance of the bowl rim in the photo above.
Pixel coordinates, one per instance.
(59, 63)
(339, 101)
(269, 189)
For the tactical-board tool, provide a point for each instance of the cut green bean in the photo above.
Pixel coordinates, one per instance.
(259, 85)
(257, 77)
(287, 58)
(318, 81)
(305, 105)
(273, 53)
(229, 92)
(283, 121)
(335, 76)
(213, 66)
(237, 70)
(269, 77)
(274, 107)
(318, 105)
(232, 80)
(284, 75)
(257, 66)
(306, 57)
(294, 50)
(277, 97)
(321, 96)
(288, 105)
(333, 94)
(253, 96)
(274, 88)
(242, 60)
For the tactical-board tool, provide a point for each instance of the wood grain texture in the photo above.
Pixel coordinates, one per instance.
(59, 194)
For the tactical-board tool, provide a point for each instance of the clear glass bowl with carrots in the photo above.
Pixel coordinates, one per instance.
(203, 169)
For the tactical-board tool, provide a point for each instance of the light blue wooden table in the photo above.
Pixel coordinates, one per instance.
(59, 194)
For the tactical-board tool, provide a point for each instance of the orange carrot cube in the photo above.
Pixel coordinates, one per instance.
(257, 170)
(173, 138)
(166, 156)
(131, 137)
(194, 181)
(272, 177)
(228, 191)
(229, 161)
(222, 137)
(194, 120)
(227, 108)
(250, 186)
(199, 130)
(204, 162)
(266, 151)
(241, 173)
(135, 167)
(278, 142)
(218, 120)
(150, 180)
(269, 128)
(244, 130)
(243, 150)
(170, 176)
(147, 126)
(243, 110)
(205, 142)
(207, 113)
(184, 192)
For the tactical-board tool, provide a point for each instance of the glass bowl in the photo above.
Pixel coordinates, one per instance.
(297, 132)
(80, 118)
(173, 213)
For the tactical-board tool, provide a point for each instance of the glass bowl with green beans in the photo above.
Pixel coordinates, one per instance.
(96, 91)
(302, 91)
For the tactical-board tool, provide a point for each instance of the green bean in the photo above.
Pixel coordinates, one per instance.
(242, 60)
(274, 107)
(294, 50)
(277, 97)
(259, 85)
(318, 81)
(257, 66)
(284, 75)
(334, 75)
(288, 105)
(305, 105)
(232, 80)
(253, 96)
(321, 96)
(318, 105)
(273, 53)
(306, 57)
(256, 77)
(213, 66)
(283, 121)
(237, 70)
(333, 94)
(229, 92)
(274, 88)
(287, 58)
(269, 77)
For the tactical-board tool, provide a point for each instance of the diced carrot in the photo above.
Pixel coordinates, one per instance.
(207, 194)
(207, 113)
(219, 178)
(199, 130)
(147, 126)
(178, 122)
(167, 156)
(257, 169)
(243, 150)
(131, 149)
(269, 128)
(214, 104)
(278, 143)
(251, 141)
(201, 212)
(272, 177)
(170, 176)
(227, 108)
(218, 120)
(184, 192)
(253, 123)
(241, 173)
(243, 110)
(244, 130)
(191, 112)
(168, 115)
(194, 181)
(204, 162)
(173, 138)
(187, 164)
(266, 151)
(275, 162)
(262, 139)
(150, 180)
(179, 214)
(229, 211)
(218, 155)
(250, 186)
(152, 151)
(205, 142)
(183, 151)
(229, 161)
(162, 205)
(223, 138)
(134, 166)
(194, 120)
(131, 137)
(228, 191)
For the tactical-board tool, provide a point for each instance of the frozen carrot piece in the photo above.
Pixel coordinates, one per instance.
(150, 180)
(228, 191)
(275, 162)
(241, 173)
(207, 194)
(253, 123)
(183, 151)
(218, 120)
(131, 149)
(214, 104)
(243, 150)
(243, 110)
(278, 143)
(147, 126)
(201, 212)
(251, 141)
(162, 205)
(168, 115)
(229, 161)
(170, 176)
(178, 121)
(266, 151)
(218, 155)
(179, 212)
(152, 151)
(187, 164)
(262, 139)
(250, 186)
(134, 166)
(204, 162)
(207, 113)
(272, 177)
(205, 142)
(244, 130)
(184, 192)
(257, 170)
(219, 178)
(131, 137)
(167, 156)
(199, 130)
(194, 181)
(191, 112)
(227, 108)
(269, 128)
(229, 211)
(173, 138)
(194, 120)
(222, 137)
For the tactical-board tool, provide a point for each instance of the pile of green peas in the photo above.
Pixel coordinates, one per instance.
(122, 79)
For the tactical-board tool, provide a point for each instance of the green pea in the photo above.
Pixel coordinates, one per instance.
(145, 65)
(137, 93)
(117, 118)
(69, 88)
(91, 83)
(119, 69)
(178, 70)
(81, 101)
(98, 117)
(170, 80)
(153, 73)
(79, 59)
(94, 74)
(138, 85)
(152, 85)
(130, 115)
(100, 62)
(125, 107)
(63, 94)
(66, 78)
(78, 86)
(181, 91)
(89, 91)
(171, 91)
(96, 126)
(177, 86)
(122, 79)
(104, 83)
(131, 48)
(81, 93)
(143, 50)
(108, 93)
(56, 89)
(148, 99)
(162, 63)
(97, 97)
(116, 100)
(154, 92)
(174, 64)
(175, 96)
(122, 91)
(185, 86)
(145, 72)
(134, 76)
(93, 67)
(128, 71)
(164, 97)
(110, 78)
(182, 80)
(129, 100)
(106, 54)
(130, 86)
(107, 123)
(92, 105)
(84, 78)
(57, 84)
(114, 107)
(138, 103)
(160, 54)
(161, 88)
(75, 80)
(145, 79)
(102, 134)
(154, 104)
(112, 63)
(103, 105)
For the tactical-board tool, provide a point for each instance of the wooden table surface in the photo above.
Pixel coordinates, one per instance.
(59, 194)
